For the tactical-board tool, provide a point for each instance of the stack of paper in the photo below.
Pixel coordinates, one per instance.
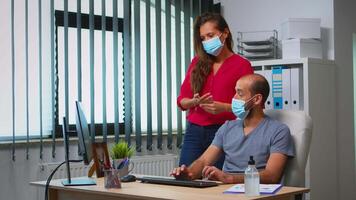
(264, 188)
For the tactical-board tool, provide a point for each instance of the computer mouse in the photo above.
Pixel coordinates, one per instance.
(128, 178)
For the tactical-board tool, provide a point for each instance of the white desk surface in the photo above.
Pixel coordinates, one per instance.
(138, 190)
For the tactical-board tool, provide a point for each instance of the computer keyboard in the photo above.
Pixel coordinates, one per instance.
(172, 181)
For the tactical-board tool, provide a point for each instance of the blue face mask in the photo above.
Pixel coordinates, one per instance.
(213, 46)
(239, 108)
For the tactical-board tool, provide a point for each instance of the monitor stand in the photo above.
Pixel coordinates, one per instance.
(76, 181)
(69, 181)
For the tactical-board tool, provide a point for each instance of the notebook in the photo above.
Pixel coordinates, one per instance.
(264, 188)
(173, 181)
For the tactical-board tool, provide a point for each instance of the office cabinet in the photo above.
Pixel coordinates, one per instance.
(312, 83)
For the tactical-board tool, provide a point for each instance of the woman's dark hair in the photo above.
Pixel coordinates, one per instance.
(203, 66)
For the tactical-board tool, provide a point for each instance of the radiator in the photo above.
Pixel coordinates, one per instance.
(76, 170)
(158, 165)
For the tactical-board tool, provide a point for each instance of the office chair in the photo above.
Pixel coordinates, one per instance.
(300, 126)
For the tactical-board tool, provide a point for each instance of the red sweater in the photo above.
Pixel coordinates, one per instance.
(221, 86)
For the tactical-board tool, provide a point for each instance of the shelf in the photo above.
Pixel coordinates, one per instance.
(257, 43)
(291, 62)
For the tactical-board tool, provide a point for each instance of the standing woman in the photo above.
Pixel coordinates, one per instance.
(209, 85)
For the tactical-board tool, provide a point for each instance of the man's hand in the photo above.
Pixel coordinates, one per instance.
(182, 173)
(213, 173)
(216, 107)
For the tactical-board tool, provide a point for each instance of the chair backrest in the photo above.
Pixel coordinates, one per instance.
(300, 126)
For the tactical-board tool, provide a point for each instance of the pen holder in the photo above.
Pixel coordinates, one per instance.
(123, 169)
(111, 178)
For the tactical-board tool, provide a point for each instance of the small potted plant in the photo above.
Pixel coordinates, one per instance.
(121, 154)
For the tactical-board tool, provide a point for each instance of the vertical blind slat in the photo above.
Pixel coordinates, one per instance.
(178, 68)
(211, 6)
(27, 106)
(40, 73)
(187, 41)
(204, 6)
(148, 74)
(13, 76)
(137, 39)
(92, 80)
(53, 81)
(200, 7)
(66, 68)
(79, 49)
(159, 74)
(127, 74)
(115, 63)
(103, 57)
(169, 72)
(196, 7)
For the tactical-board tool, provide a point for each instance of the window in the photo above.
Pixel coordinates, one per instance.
(73, 80)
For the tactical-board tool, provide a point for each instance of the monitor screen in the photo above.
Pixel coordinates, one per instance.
(85, 145)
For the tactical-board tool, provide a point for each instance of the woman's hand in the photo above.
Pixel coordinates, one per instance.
(188, 103)
(216, 107)
(206, 98)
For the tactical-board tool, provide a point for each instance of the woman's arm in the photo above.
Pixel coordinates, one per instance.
(187, 103)
(216, 107)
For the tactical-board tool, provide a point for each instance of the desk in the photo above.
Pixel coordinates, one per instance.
(138, 190)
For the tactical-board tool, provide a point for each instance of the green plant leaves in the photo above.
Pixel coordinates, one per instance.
(121, 150)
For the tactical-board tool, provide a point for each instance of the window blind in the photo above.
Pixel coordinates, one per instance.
(125, 59)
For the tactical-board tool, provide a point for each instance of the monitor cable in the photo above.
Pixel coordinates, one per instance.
(52, 174)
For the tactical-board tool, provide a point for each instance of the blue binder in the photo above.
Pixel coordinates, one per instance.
(277, 87)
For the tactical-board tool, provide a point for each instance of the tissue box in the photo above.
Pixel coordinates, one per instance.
(300, 48)
(301, 28)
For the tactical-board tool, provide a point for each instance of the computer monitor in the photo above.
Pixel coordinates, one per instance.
(84, 146)
(83, 133)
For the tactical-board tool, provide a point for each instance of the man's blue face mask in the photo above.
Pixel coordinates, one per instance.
(213, 46)
(239, 108)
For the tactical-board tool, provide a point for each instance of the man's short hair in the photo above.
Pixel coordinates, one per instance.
(260, 85)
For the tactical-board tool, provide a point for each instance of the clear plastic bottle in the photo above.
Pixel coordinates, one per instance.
(252, 179)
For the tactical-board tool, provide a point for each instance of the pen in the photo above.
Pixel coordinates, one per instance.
(123, 163)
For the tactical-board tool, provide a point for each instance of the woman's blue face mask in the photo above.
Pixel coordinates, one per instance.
(213, 46)
(239, 108)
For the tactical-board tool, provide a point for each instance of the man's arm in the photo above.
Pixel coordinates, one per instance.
(209, 157)
(274, 168)
(271, 174)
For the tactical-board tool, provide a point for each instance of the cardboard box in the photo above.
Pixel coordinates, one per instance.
(300, 48)
(301, 28)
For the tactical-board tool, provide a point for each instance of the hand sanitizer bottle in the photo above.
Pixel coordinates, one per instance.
(252, 179)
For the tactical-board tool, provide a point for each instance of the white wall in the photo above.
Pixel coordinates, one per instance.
(345, 26)
(254, 15)
(17, 175)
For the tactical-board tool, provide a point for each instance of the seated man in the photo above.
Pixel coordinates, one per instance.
(252, 133)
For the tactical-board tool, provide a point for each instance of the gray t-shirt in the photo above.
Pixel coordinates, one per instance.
(270, 136)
